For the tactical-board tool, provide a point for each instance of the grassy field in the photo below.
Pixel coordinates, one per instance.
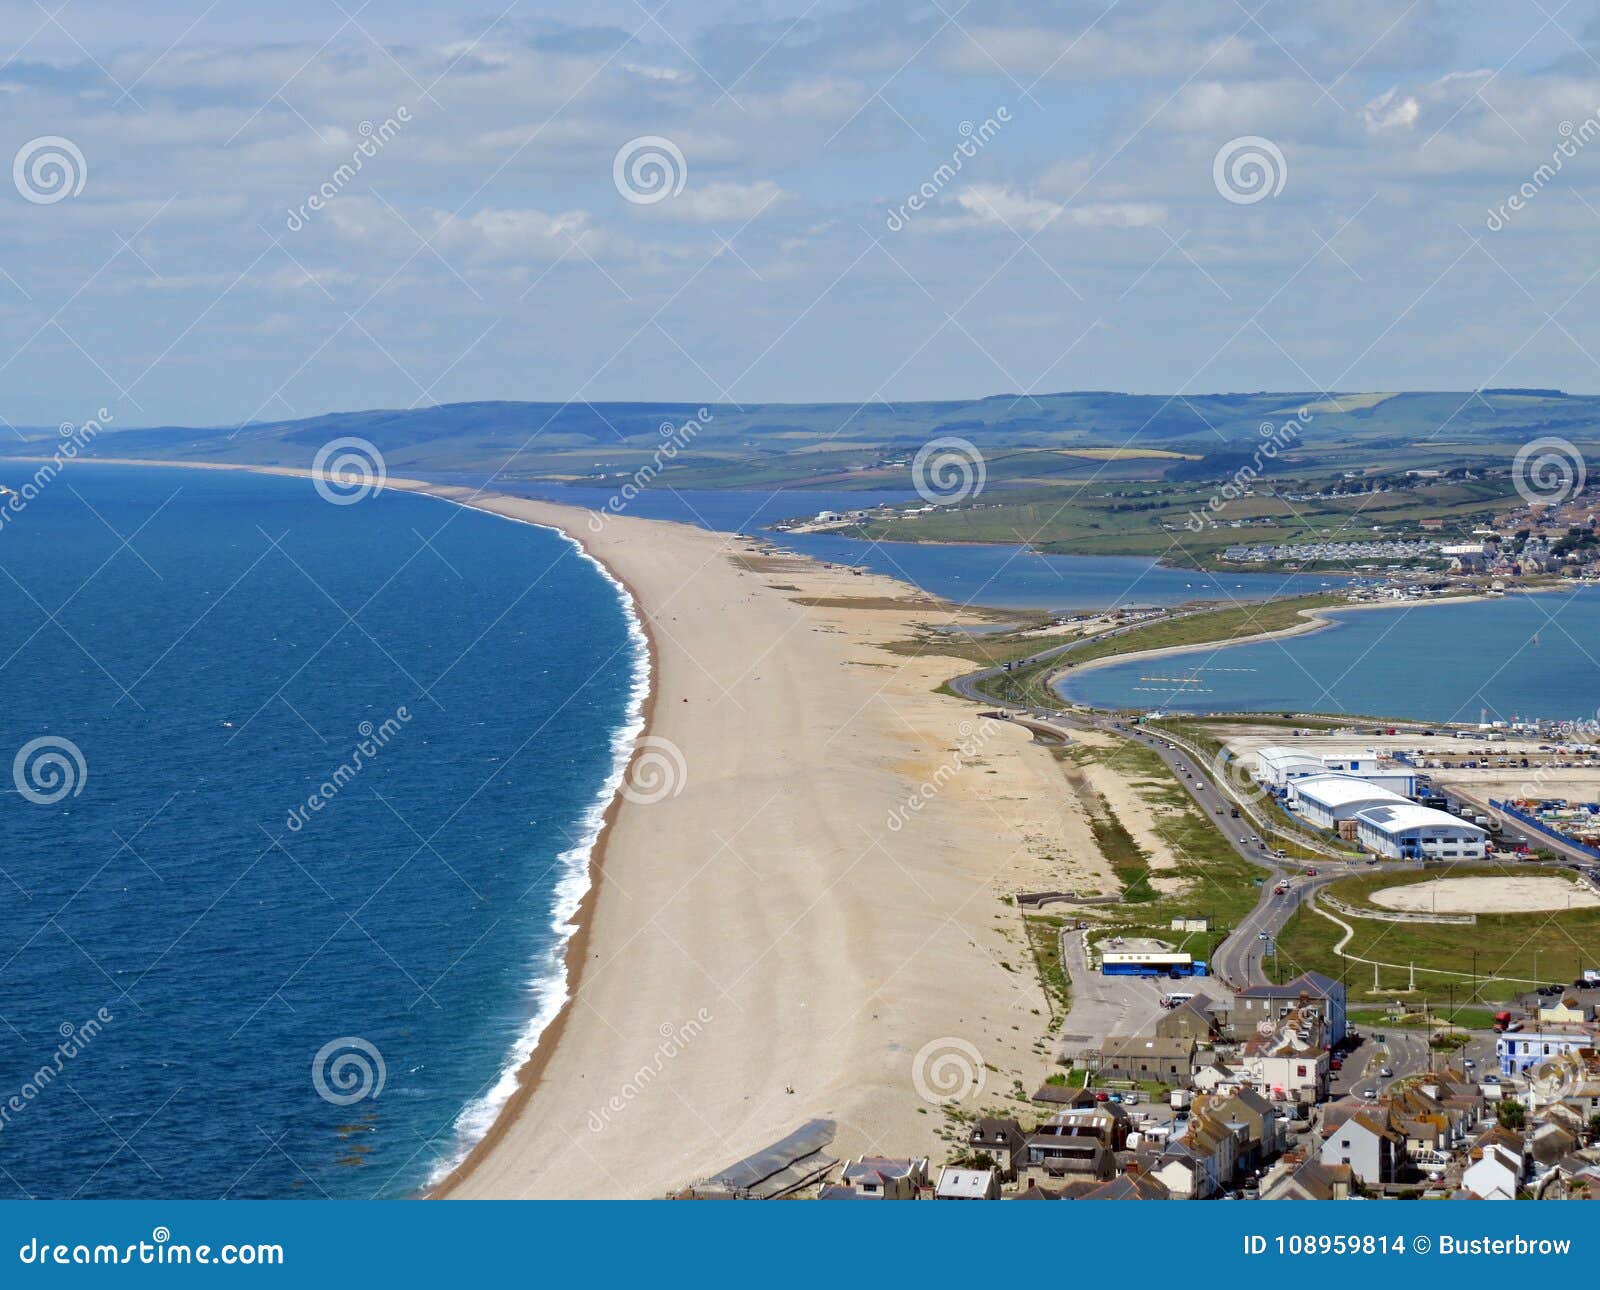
(1044, 939)
(1505, 952)
(1218, 882)
(1170, 519)
(1218, 625)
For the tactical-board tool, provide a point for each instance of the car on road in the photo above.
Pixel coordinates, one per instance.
(1311, 873)
(1336, 1064)
(1102, 1096)
(1387, 1072)
(1369, 1093)
(1490, 1079)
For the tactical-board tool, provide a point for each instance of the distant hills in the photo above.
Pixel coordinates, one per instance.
(1027, 438)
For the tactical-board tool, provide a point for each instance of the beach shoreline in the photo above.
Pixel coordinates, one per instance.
(572, 951)
(825, 895)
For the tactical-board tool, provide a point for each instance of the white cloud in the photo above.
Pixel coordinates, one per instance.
(723, 201)
(1392, 111)
(1002, 206)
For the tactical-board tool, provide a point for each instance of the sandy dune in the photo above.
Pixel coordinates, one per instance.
(1511, 894)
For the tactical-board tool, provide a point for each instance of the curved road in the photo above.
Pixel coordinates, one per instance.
(1238, 960)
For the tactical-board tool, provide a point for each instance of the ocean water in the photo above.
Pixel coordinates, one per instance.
(1521, 656)
(183, 933)
(1000, 577)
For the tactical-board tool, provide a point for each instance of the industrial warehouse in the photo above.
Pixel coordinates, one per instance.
(1367, 800)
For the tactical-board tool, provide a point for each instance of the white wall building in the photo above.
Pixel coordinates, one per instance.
(1410, 832)
(1278, 766)
(1324, 800)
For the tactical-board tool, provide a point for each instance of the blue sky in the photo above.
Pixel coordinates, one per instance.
(485, 250)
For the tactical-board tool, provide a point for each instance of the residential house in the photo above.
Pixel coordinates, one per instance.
(1307, 1180)
(1003, 1141)
(1192, 1020)
(967, 1184)
(1521, 1050)
(1258, 1003)
(1204, 1160)
(1080, 1143)
(1143, 1058)
(1496, 1167)
(1568, 1010)
(1291, 1059)
(885, 1177)
(1363, 1138)
(1266, 1131)
(1134, 1184)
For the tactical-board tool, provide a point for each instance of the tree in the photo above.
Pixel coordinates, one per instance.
(1512, 1115)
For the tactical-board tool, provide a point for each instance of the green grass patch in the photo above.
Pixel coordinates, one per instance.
(1044, 939)
(1507, 952)
(1218, 625)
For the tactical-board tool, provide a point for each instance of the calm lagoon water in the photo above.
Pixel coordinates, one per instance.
(214, 671)
(1001, 577)
(1527, 656)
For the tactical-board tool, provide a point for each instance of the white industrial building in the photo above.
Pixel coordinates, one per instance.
(1405, 831)
(1324, 800)
(1277, 767)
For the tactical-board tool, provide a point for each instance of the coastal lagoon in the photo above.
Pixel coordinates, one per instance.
(289, 901)
(1520, 656)
(998, 577)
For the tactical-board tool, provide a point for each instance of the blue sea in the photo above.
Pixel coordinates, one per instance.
(302, 802)
(999, 577)
(1521, 656)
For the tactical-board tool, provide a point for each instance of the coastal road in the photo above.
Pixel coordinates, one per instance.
(1237, 961)
(967, 686)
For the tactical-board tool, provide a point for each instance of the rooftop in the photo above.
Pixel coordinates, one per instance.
(1401, 818)
(1341, 790)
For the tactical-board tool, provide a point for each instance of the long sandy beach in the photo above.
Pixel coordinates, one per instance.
(815, 898)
